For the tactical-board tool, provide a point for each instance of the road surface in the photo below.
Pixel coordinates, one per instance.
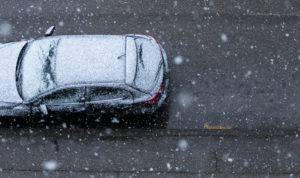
(234, 66)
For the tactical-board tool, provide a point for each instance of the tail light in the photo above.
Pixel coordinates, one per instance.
(155, 41)
(154, 98)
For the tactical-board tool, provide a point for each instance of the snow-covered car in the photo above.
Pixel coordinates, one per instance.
(82, 73)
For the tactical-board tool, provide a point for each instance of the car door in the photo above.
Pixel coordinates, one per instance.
(108, 100)
(61, 102)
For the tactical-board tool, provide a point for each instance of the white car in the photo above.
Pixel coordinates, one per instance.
(82, 73)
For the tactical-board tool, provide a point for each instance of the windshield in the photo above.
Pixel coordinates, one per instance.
(35, 73)
(18, 69)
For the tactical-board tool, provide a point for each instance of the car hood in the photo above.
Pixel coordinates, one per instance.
(8, 61)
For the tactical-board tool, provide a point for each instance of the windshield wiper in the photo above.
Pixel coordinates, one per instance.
(141, 55)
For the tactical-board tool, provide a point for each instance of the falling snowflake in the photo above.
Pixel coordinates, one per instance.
(224, 38)
(61, 23)
(169, 167)
(115, 120)
(64, 125)
(5, 29)
(178, 60)
(248, 74)
(227, 158)
(185, 99)
(246, 163)
(50, 165)
(183, 145)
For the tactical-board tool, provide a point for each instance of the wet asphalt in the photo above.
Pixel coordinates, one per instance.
(234, 67)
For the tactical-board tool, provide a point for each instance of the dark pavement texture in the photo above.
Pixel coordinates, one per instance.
(250, 80)
(116, 153)
(240, 69)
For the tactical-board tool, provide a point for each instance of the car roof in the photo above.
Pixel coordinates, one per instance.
(90, 59)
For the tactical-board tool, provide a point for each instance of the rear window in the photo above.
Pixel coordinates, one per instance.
(149, 64)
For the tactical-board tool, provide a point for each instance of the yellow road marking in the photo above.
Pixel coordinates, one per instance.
(216, 127)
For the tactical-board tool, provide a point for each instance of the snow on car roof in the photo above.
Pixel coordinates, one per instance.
(90, 59)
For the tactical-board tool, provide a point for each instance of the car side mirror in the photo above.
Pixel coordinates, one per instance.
(43, 109)
(50, 31)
